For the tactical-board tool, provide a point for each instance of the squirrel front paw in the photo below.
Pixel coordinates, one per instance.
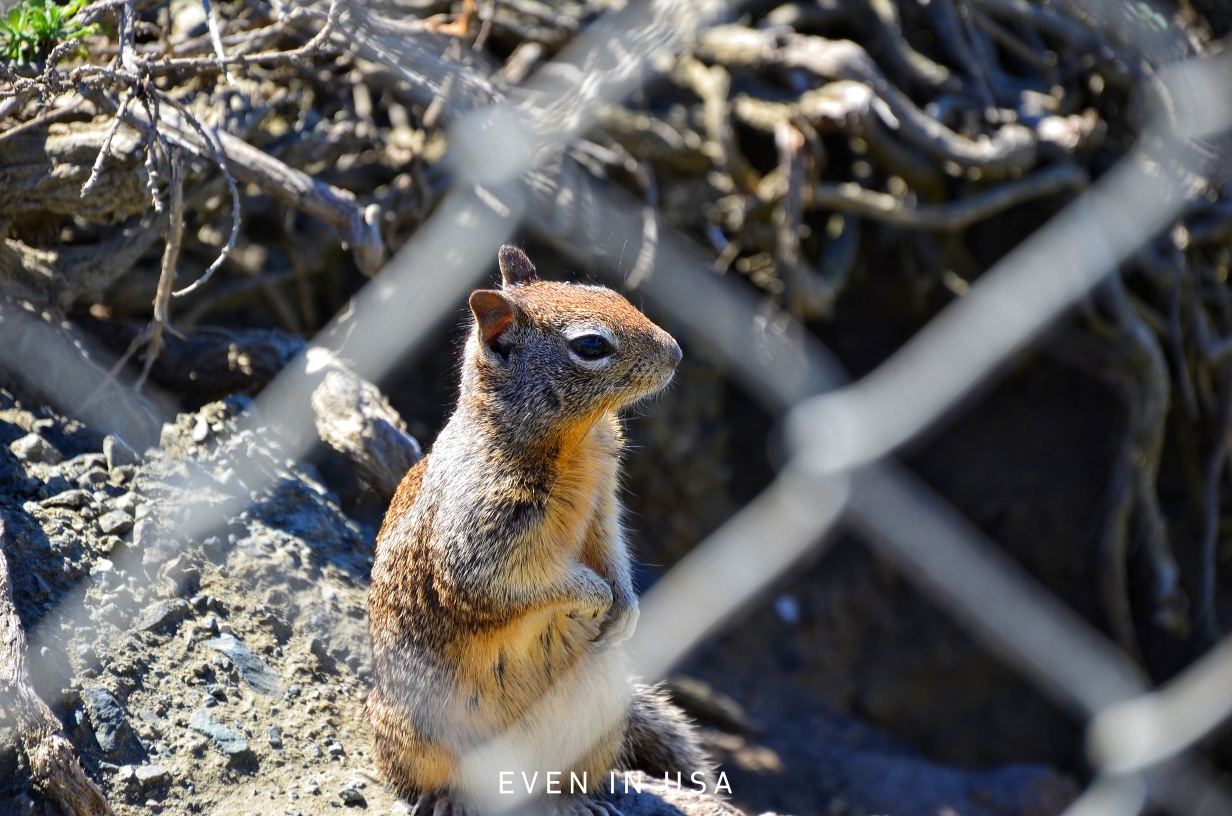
(593, 596)
(619, 624)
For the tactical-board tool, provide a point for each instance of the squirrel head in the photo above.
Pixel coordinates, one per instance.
(549, 355)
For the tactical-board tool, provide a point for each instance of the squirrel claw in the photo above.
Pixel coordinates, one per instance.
(618, 626)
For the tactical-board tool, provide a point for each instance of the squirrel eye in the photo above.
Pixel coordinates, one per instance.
(590, 346)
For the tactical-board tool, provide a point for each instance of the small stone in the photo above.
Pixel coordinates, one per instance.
(210, 701)
(144, 510)
(102, 565)
(156, 546)
(127, 502)
(150, 775)
(92, 480)
(109, 612)
(159, 614)
(34, 448)
(229, 742)
(210, 624)
(350, 796)
(118, 452)
(111, 728)
(335, 749)
(69, 498)
(116, 523)
(107, 544)
(127, 775)
(251, 667)
(317, 647)
(201, 430)
(274, 735)
(54, 486)
(312, 789)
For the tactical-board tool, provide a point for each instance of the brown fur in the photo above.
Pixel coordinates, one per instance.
(501, 572)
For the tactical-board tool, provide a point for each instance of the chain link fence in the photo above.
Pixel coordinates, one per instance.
(513, 169)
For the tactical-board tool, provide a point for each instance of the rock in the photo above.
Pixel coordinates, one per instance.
(350, 796)
(156, 546)
(318, 648)
(107, 544)
(160, 614)
(229, 742)
(69, 498)
(127, 502)
(92, 479)
(126, 776)
(657, 799)
(34, 448)
(117, 522)
(254, 671)
(274, 735)
(118, 452)
(150, 775)
(54, 486)
(111, 728)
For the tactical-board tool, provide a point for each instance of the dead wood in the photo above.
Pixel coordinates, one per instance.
(1119, 348)
(209, 362)
(358, 226)
(65, 273)
(956, 215)
(354, 418)
(53, 764)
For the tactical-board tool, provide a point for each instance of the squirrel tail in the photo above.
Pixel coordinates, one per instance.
(660, 738)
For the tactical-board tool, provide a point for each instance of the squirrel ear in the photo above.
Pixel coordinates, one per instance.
(515, 267)
(493, 314)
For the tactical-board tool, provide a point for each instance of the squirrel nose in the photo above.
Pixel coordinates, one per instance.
(674, 354)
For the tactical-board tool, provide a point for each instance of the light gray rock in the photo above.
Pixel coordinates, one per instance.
(118, 452)
(150, 775)
(251, 667)
(158, 615)
(34, 448)
(229, 742)
(117, 522)
(69, 498)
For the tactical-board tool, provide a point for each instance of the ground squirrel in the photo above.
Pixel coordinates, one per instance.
(501, 574)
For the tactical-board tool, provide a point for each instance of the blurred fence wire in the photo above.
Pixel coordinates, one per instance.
(512, 165)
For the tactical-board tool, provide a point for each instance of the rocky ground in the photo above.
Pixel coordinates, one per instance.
(196, 615)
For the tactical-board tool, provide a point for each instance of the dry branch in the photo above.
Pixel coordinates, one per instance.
(956, 215)
(358, 226)
(1010, 150)
(53, 763)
